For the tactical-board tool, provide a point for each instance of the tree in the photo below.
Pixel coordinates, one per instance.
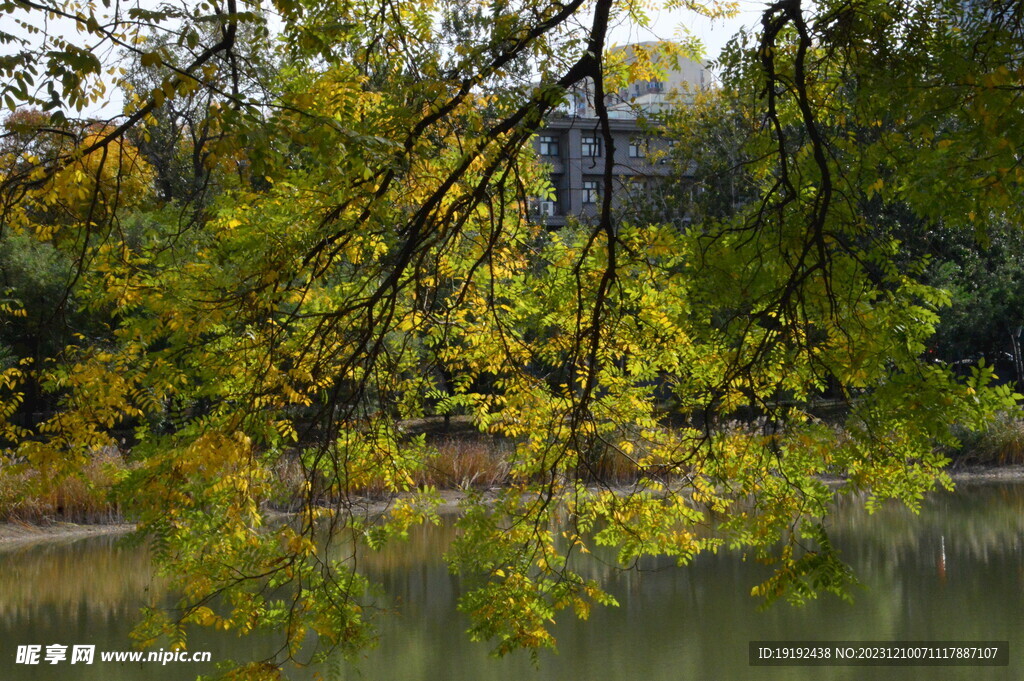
(986, 286)
(947, 246)
(298, 321)
(91, 194)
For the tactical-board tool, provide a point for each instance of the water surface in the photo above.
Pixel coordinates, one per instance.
(954, 572)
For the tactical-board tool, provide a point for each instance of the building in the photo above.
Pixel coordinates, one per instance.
(574, 148)
(572, 144)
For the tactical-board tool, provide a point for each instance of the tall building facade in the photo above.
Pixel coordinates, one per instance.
(575, 150)
(573, 146)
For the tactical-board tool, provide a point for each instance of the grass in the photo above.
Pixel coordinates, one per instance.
(460, 462)
(467, 463)
(1002, 443)
(25, 497)
(455, 463)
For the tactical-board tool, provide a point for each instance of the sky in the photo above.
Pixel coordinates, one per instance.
(713, 33)
(665, 25)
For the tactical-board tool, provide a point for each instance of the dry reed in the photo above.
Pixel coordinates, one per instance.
(25, 496)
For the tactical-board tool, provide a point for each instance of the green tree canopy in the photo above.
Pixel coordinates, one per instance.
(368, 261)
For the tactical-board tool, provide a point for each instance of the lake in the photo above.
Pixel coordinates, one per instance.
(954, 572)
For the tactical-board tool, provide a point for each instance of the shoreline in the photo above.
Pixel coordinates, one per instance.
(19, 534)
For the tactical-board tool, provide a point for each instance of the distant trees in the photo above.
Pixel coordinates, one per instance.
(952, 241)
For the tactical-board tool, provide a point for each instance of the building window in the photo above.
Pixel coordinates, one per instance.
(591, 146)
(590, 191)
(637, 148)
(548, 145)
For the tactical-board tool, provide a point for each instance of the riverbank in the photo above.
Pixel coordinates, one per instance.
(21, 534)
(18, 534)
(987, 473)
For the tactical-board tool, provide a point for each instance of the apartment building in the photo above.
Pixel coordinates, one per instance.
(575, 151)
(573, 146)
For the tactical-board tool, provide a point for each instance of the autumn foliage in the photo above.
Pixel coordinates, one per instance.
(355, 254)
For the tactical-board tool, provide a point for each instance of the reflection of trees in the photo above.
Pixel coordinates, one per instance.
(678, 624)
(976, 523)
(695, 622)
(96, 579)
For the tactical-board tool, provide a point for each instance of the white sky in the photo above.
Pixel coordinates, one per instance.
(713, 33)
(665, 25)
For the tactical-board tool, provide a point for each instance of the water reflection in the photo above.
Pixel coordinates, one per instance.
(100, 578)
(956, 571)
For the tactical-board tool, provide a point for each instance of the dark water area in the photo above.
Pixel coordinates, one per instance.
(953, 572)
